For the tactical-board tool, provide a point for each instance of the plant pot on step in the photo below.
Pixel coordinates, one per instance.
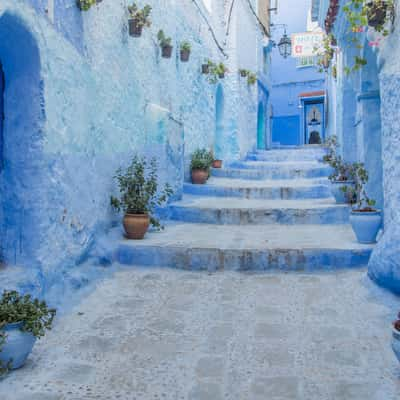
(136, 225)
(396, 342)
(340, 196)
(135, 27)
(376, 14)
(17, 347)
(185, 55)
(366, 225)
(166, 51)
(199, 176)
(217, 164)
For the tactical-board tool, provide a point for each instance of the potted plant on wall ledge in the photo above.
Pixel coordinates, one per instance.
(165, 44)
(186, 48)
(341, 177)
(365, 220)
(138, 18)
(200, 166)
(22, 321)
(139, 197)
(396, 337)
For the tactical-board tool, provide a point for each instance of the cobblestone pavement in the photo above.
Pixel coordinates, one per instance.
(169, 334)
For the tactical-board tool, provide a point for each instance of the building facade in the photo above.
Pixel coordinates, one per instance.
(80, 96)
(363, 112)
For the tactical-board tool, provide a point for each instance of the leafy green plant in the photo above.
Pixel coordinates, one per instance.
(164, 41)
(84, 5)
(251, 78)
(138, 186)
(186, 46)
(326, 53)
(216, 71)
(202, 159)
(360, 14)
(341, 171)
(358, 191)
(140, 15)
(34, 315)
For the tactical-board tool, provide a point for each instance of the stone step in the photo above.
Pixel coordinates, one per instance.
(262, 189)
(241, 247)
(272, 170)
(300, 154)
(237, 211)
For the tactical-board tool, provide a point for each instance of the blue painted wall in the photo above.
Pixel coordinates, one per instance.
(287, 80)
(81, 98)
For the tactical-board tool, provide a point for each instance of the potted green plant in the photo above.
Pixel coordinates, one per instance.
(251, 78)
(138, 18)
(22, 321)
(365, 219)
(243, 73)
(216, 71)
(396, 337)
(139, 196)
(200, 166)
(341, 177)
(165, 44)
(186, 48)
(205, 68)
(377, 13)
(84, 5)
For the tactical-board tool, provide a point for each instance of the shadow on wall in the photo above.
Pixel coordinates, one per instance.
(219, 123)
(24, 115)
(261, 127)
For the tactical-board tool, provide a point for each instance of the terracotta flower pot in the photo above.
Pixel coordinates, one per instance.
(376, 14)
(199, 176)
(166, 51)
(205, 69)
(135, 28)
(136, 225)
(217, 164)
(185, 55)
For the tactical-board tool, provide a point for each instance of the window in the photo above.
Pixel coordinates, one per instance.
(304, 62)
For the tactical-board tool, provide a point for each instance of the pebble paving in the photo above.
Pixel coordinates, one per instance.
(168, 334)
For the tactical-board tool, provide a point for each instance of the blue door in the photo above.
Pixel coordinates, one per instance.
(2, 84)
(314, 122)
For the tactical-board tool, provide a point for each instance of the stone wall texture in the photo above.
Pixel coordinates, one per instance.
(82, 97)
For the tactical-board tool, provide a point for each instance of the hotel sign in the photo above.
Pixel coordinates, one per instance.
(305, 44)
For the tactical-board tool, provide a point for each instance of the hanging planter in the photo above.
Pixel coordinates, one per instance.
(185, 51)
(205, 68)
(84, 5)
(138, 18)
(243, 72)
(376, 13)
(165, 44)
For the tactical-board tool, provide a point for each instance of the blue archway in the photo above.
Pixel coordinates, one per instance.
(21, 156)
(261, 127)
(219, 122)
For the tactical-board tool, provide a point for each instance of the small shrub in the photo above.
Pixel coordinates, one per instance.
(186, 46)
(163, 40)
(140, 15)
(138, 186)
(202, 159)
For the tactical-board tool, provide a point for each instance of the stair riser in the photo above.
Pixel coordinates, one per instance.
(250, 172)
(241, 260)
(289, 193)
(258, 217)
(282, 157)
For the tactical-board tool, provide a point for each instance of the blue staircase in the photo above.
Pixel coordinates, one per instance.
(273, 210)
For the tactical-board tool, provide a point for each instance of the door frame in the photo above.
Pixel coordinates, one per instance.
(305, 101)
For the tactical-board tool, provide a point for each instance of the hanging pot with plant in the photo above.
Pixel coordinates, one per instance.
(185, 51)
(243, 72)
(365, 219)
(84, 5)
(22, 321)
(376, 13)
(165, 44)
(200, 166)
(138, 18)
(139, 196)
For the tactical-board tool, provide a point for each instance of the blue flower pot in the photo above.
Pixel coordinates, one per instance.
(337, 192)
(396, 343)
(17, 347)
(366, 225)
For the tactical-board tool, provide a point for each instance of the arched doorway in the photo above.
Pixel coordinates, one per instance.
(23, 115)
(219, 122)
(261, 127)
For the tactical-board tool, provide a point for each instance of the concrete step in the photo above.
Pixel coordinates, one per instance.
(300, 154)
(245, 247)
(272, 170)
(237, 211)
(262, 189)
